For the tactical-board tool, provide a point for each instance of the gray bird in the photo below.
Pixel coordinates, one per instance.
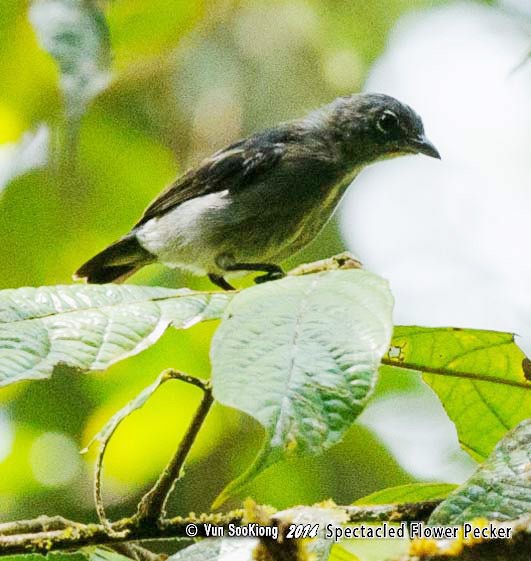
(256, 202)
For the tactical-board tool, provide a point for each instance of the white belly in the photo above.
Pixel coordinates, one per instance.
(257, 225)
(178, 238)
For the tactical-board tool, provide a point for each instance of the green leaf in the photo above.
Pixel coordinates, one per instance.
(102, 554)
(90, 327)
(500, 489)
(224, 549)
(75, 34)
(410, 493)
(301, 355)
(478, 376)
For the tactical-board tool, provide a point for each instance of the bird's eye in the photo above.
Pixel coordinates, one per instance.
(388, 124)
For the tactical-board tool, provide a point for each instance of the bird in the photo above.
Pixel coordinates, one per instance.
(253, 204)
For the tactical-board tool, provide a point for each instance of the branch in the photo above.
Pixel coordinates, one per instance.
(152, 505)
(134, 530)
(343, 260)
(40, 524)
(126, 530)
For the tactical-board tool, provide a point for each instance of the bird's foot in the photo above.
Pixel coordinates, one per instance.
(220, 281)
(272, 272)
(272, 275)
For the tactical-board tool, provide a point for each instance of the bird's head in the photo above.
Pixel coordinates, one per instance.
(371, 127)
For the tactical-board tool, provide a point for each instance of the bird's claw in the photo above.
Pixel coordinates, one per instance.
(273, 275)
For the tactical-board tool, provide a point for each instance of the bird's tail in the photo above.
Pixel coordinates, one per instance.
(115, 263)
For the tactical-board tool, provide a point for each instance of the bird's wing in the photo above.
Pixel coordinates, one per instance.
(232, 168)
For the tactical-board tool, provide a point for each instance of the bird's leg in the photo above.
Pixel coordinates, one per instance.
(220, 281)
(273, 272)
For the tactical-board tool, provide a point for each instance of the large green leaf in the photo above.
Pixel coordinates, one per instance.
(89, 326)
(301, 355)
(410, 493)
(478, 376)
(500, 489)
(75, 33)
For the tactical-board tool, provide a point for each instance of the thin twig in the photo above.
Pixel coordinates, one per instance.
(106, 437)
(98, 499)
(152, 505)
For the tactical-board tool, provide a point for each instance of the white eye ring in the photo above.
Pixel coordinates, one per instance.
(390, 114)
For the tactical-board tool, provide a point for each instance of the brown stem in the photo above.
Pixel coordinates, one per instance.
(151, 508)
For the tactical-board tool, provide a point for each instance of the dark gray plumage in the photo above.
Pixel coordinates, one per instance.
(258, 201)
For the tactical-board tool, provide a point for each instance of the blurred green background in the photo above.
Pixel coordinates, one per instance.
(187, 77)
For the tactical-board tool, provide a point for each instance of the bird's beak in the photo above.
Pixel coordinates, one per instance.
(422, 145)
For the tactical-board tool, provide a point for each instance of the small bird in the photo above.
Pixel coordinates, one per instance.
(256, 202)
